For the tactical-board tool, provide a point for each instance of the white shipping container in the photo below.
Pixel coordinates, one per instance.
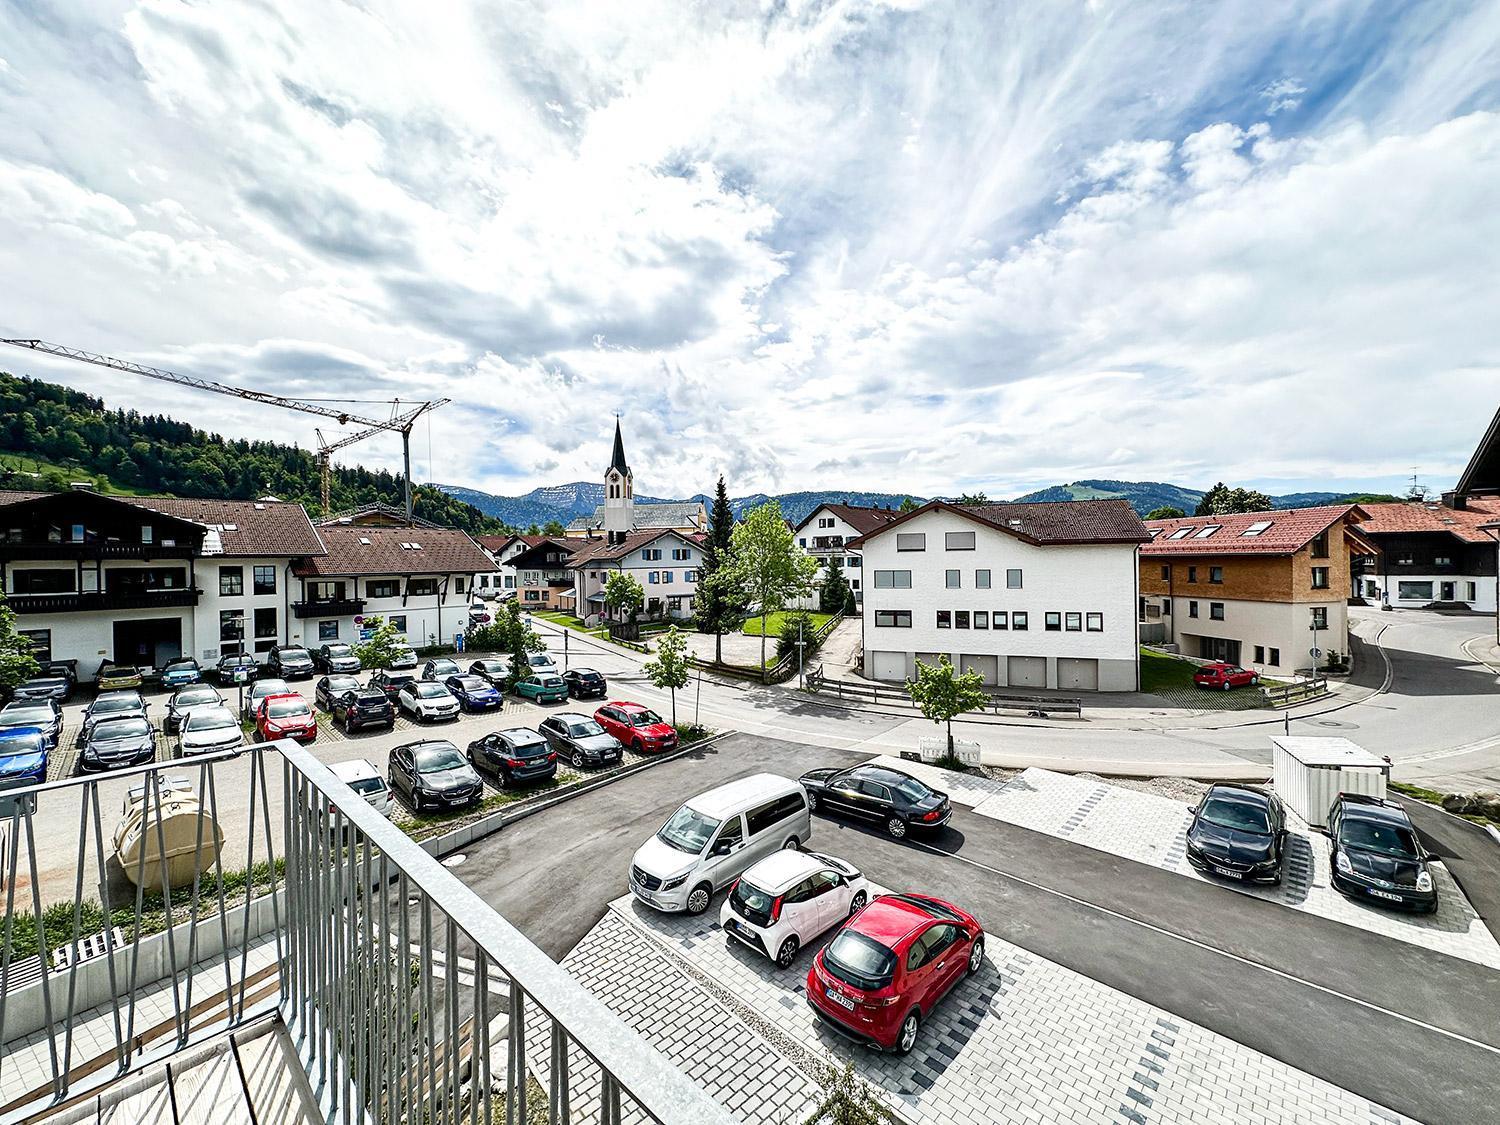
(1310, 772)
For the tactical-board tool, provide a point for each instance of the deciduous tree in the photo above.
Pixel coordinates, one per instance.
(669, 668)
(767, 565)
(16, 659)
(940, 692)
(1165, 512)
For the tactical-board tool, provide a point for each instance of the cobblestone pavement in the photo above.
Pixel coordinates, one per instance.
(1023, 1040)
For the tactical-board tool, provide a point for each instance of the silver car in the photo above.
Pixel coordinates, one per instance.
(208, 729)
(188, 699)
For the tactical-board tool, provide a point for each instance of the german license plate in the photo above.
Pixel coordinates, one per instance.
(1385, 895)
(1228, 874)
(841, 1000)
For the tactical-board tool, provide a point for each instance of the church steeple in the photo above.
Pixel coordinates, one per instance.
(619, 492)
(618, 460)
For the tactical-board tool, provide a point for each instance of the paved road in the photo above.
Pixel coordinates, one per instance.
(1406, 1027)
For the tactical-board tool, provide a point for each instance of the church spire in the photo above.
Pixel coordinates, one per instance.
(617, 461)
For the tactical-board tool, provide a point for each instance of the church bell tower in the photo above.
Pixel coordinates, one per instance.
(619, 492)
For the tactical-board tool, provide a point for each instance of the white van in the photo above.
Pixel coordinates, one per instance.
(711, 840)
(365, 779)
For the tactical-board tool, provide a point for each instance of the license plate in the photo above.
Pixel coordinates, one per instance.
(841, 1000)
(1228, 874)
(1385, 895)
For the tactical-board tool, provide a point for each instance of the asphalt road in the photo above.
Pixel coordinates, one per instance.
(1406, 1027)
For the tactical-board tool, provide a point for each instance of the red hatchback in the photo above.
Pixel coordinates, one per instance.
(285, 716)
(637, 727)
(1225, 676)
(886, 970)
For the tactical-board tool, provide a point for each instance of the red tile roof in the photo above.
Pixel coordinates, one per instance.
(500, 542)
(1288, 532)
(863, 520)
(1041, 522)
(601, 550)
(1412, 518)
(379, 550)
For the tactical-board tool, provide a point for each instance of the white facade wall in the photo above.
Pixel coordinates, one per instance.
(502, 580)
(1482, 587)
(1283, 626)
(1063, 579)
(212, 573)
(808, 534)
(428, 618)
(676, 578)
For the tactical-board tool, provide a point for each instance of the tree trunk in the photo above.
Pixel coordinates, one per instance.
(674, 708)
(950, 738)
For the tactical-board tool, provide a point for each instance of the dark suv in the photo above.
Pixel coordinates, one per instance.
(391, 683)
(1238, 832)
(1376, 854)
(514, 756)
(366, 707)
(290, 662)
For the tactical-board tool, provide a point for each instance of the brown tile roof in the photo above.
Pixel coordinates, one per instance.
(600, 550)
(500, 542)
(1041, 522)
(863, 520)
(1413, 518)
(1288, 531)
(377, 513)
(16, 497)
(379, 550)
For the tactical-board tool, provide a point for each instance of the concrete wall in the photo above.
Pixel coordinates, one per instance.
(1280, 625)
(288, 628)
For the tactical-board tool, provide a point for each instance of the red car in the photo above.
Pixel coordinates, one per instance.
(637, 727)
(1225, 676)
(285, 716)
(886, 970)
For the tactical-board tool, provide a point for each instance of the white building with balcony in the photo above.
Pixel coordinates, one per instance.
(825, 533)
(665, 563)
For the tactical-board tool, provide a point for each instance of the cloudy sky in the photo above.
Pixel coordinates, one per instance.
(896, 245)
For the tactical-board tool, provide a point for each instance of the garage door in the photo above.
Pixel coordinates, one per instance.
(1074, 674)
(986, 666)
(888, 665)
(1027, 671)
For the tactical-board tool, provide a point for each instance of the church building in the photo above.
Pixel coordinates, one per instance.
(619, 515)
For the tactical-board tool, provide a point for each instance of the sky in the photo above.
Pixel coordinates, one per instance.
(874, 244)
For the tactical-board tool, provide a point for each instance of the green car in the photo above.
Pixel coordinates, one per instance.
(545, 688)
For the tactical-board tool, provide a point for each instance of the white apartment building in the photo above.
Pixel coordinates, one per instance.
(1039, 595)
(825, 534)
(665, 563)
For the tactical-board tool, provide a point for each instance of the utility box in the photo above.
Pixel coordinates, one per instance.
(1310, 772)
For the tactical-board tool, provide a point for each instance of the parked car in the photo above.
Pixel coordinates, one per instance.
(365, 779)
(896, 801)
(788, 899)
(262, 689)
(367, 707)
(37, 714)
(117, 677)
(543, 688)
(330, 688)
(440, 668)
(285, 716)
(637, 727)
(180, 672)
(1238, 832)
(495, 671)
(432, 773)
(208, 729)
(403, 657)
(883, 974)
(233, 664)
(116, 743)
(515, 756)
(585, 683)
(708, 842)
(1222, 677)
(1376, 854)
(23, 757)
(541, 663)
(474, 693)
(479, 614)
(45, 685)
(110, 705)
(337, 656)
(290, 662)
(186, 700)
(391, 683)
(580, 740)
(427, 701)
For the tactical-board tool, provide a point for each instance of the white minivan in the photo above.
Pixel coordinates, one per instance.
(365, 779)
(711, 840)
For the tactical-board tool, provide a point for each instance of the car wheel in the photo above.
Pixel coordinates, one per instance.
(857, 903)
(896, 827)
(578, 759)
(906, 1038)
(812, 802)
(976, 956)
(1226, 685)
(698, 898)
(787, 953)
(791, 844)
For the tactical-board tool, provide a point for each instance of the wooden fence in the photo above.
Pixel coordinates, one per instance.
(1037, 705)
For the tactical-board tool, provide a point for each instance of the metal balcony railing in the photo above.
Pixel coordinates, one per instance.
(11, 549)
(104, 599)
(331, 607)
(408, 999)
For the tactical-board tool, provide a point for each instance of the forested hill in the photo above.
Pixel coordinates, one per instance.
(50, 435)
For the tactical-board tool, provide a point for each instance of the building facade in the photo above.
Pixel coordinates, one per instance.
(543, 580)
(620, 514)
(665, 563)
(825, 534)
(502, 581)
(1027, 595)
(1430, 553)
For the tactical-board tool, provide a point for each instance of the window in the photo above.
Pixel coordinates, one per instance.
(651, 554)
(1073, 622)
(148, 534)
(421, 587)
(911, 541)
(653, 577)
(1216, 575)
(1260, 654)
(1207, 530)
(328, 630)
(690, 576)
(958, 540)
(852, 561)
(383, 588)
(1166, 605)
(1094, 623)
(1469, 591)
(1019, 621)
(1192, 574)
(1166, 574)
(325, 591)
(981, 580)
(75, 533)
(42, 581)
(1320, 546)
(1320, 617)
(1442, 560)
(231, 628)
(1192, 609)
(510, 581)
(944, 619)
(981, 619)
(1275, 656)
(231, 581)
(666, 578)
(1216, 611)
(398, 622)
(1000, 619)
(825, 521)
(893, 580)
(265, 627)
(41, 643)
(1012, 579)
(960, 619)
(458, 584)
(951, 579)
(1181, 533)
(758, 820)
(893, 619)
(1408, 591)
(1320, 578)
(802, 542)
(1052, 622)
(681, 554)
(1260, 527)
(264, 580)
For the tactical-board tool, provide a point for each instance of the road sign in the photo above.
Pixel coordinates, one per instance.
(241, 675)
(359, 619)
(1315, 652)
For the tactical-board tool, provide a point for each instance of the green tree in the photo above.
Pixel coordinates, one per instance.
(553, 527)
(533, 530)
(17, 662)
(767, 566)
(973, 498)
(908, 505)
(385, 640)
(1221, 500)
(796, 627)
(669, 668)
(834, 593)
(851, 603)
(623, 594)
(940, 692)
(716, 606)
(1165, 512)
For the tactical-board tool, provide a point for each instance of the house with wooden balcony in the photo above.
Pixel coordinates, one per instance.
(825, 532)
(543, 580)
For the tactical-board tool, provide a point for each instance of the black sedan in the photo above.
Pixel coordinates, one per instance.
(330, 688)
(514, 757)
(433, 774)
(116, 743)
(1376, 855)
(337, 656)
(235, 664)
(581, 740)
(585, 683)
(43, 714)
(391, 683)
(495, 671)
(894, 800)
(290, 662)
(1238, 832)
(363, 707)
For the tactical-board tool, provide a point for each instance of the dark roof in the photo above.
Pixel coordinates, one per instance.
(1482, 473)
(1414, 518)
(617, 459)
(376, 514)
(498, 543)
(602, 550)
(379, 550)
(1042, 523)
(1273, 533)
(544, 545)
(669, 514)
(863, 520)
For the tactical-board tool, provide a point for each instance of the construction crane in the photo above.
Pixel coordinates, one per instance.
(399, 423)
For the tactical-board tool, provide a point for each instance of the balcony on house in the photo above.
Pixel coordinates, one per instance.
(124, 598)
(826, 543)
(329, 607)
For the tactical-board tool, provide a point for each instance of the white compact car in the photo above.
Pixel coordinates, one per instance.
(542, 664)
(427, 701)
(788, 899)
(364, 779)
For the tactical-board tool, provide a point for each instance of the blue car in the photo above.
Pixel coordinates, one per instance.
(475, 693)
(23, 757)
(180, 673)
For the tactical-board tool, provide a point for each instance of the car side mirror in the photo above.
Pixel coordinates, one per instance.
(722, 847)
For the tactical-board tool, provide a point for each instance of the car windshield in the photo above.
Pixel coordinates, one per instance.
(472, 683)
(342, 683)
(1372, 836)
(211, 718)
(174, 665)
(286, 708)
(122, 728)
(264, 688)
(585, 728)
(550, 681)
(236, 662)
(912, 789)
(187, 697)
(46, 682)
(539, 659)
(117, 670)
(586, 674)
(645, 719)
(525, 743)
(859, 960)
(753, 903)
(688, 830)
(108, 704)
(1238, 815)
(367, 785)
(294, 654)
(371, 698)
(22, 744)
(431, 691)
(340, 650)
(433, 758)
(14, 716)
(493, 667)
